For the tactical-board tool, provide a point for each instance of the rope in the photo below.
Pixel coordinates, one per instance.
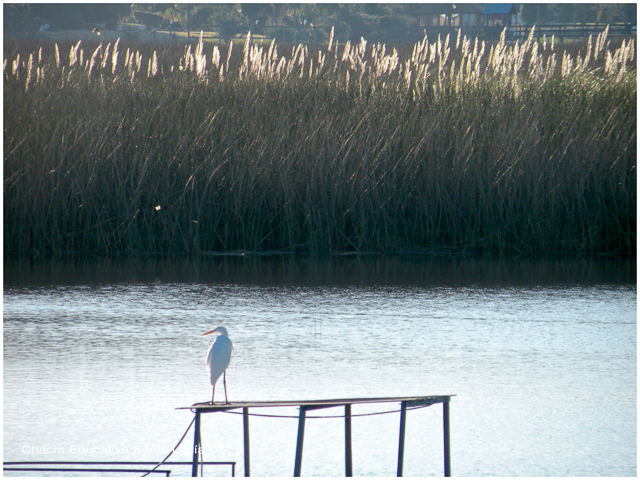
(326, 416)
(174, 449)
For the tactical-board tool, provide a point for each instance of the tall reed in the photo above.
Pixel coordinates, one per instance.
(450, 146)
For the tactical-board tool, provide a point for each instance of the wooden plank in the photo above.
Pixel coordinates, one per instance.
(425, 402)
(411, 401)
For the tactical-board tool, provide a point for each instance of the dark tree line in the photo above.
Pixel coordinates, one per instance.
(541, 13)
(29, 17)
(362, 19)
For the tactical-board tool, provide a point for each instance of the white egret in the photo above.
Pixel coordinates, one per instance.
(218, 358)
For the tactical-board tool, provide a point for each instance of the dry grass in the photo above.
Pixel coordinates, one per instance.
(451, 146)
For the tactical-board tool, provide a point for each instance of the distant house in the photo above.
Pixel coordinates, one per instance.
(450, 14)
(465, 14)
(498, 14)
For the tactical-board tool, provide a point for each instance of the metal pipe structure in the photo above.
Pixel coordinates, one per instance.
(196, 444)
(305, 405)
(298, 462)
(348, 460)
(403, 428)
(82, 470)
(245, 427)
(106, 467)
(447, 439)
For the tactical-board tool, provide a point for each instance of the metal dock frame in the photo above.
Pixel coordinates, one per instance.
(105, 467)
(307, 405)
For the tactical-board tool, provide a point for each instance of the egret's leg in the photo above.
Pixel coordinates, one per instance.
(213, 395)
(224, 382)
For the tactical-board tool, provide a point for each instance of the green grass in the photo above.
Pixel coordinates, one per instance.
(213, 38)
(376, 151)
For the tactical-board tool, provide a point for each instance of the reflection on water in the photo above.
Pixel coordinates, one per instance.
(339, 272)
(541, 355)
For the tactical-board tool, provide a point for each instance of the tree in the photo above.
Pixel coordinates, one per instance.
(150, 19)
(611, 12)
(18, 17)
(540, 13)
(65, 15)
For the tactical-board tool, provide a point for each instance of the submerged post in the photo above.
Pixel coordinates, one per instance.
(196, 445)
(298, 463)
(347, 441)
(447, 438)
(245, 425)
(403, 423)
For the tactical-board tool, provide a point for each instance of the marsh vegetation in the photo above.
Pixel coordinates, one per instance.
(448, 146)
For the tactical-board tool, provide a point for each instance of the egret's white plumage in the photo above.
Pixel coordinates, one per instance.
(218, 358)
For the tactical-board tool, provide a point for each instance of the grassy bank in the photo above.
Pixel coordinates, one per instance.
(448, 146)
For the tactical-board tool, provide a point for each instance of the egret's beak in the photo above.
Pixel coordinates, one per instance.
(212, 331)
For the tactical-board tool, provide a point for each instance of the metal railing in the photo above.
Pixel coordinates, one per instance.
(86, 467)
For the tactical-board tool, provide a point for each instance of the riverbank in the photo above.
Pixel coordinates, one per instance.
(454, 146)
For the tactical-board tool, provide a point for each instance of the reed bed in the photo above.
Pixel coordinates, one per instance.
(448, 146)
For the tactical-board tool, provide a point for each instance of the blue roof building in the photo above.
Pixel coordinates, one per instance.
(499, 14)
(466, 14)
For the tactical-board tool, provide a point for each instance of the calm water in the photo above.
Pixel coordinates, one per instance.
(541, 356)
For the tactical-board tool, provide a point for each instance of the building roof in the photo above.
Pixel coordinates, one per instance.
(499, 9)
(449, 8)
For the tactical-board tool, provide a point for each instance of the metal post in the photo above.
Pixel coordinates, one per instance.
(298, 465)
(347, 441)
(447, 439)
(196, 445)
(245, 424)
(403, 422)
